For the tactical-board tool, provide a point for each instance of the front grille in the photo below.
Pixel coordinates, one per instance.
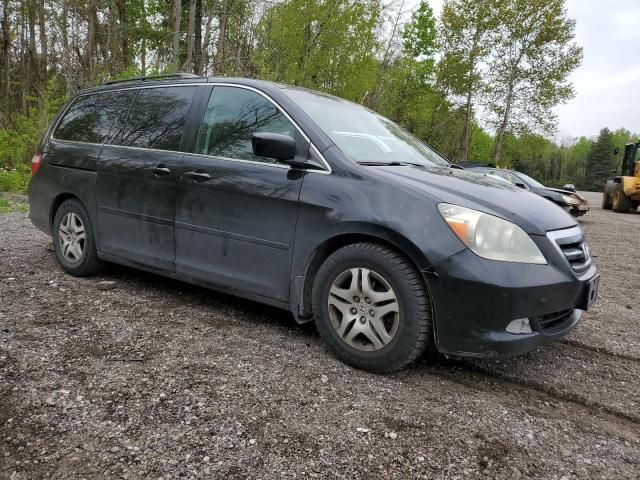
(552, 321)
(574, 249)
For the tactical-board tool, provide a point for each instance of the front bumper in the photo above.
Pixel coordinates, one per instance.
(474, 300)
(577, 210)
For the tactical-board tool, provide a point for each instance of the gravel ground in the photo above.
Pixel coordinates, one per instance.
(152, 378)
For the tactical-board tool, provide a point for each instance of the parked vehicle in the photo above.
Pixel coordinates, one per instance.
(313, 204)
(567, 198)
(622, 193)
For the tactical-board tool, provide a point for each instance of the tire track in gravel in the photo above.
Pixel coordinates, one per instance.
(600, 350)
(596, 380)
(561, 405)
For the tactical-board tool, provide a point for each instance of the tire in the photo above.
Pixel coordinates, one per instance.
(619, 201)
(72, 226)
(606, 201)
(358, 339)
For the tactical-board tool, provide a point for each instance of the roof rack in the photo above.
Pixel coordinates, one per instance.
(164, 76)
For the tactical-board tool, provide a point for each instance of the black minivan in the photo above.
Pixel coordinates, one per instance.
(310, 203)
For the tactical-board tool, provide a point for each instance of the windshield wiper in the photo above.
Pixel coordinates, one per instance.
(391, 164)
(455, 165)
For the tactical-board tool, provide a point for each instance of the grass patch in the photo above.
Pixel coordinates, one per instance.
(14, 181)
(7, 206)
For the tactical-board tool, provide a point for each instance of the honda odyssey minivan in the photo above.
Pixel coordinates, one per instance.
(313, 204)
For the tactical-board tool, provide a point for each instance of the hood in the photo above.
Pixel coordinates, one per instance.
(533, 213)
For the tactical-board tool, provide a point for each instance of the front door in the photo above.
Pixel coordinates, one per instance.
(236, 213)
(136, 185)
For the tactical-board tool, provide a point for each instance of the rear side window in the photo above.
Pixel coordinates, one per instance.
(95, 118)
(157, 118)
(233, 115)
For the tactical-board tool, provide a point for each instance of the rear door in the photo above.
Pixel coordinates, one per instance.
(236, 213)
(137, 175)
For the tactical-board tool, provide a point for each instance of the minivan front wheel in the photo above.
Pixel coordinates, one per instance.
(73, 240)
(372, 308)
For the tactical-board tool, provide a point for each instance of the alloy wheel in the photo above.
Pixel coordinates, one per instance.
(364, 309)
(72, 235)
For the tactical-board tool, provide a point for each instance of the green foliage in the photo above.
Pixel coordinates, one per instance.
(7, 206)
(506, 59)
(419, 35)
(19, 141)
(481, 145)
(599, 161)
(326, 45)
(576, 162)
(532, 56)
(14, 181)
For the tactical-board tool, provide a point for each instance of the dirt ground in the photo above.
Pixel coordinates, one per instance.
(159, 379)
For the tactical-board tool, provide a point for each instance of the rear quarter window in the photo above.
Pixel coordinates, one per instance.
(95, 118)
(157, 118)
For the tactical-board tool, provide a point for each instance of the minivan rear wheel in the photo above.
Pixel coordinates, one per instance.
(73, 240)
(372, 307)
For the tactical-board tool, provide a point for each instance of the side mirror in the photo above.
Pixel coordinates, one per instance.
(274, 145)
(570, 187)
(521, 185)
(616, 151)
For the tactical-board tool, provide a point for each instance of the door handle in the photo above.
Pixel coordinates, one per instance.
(197, 176)
(160, 170)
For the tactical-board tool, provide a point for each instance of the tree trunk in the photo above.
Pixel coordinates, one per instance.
(124, 33)
(197, 40)
(466, 135)
(44, 50)
(218, 61)
(24, 57)
(32, 63)
(6, 61)
(66, 53)
(143, 46)
(503, 124)
(109, 54)
(92, 21)
(466, 132)
(177, 9)
(205, 42)
(190, 34)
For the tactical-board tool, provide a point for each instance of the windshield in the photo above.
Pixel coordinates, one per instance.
(529, 181)
(362, 134)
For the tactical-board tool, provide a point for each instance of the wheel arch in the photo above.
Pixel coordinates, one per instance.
(303, 285)
(55, 205)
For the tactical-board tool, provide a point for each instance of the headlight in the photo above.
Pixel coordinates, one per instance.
(570, 200)
(491, 237)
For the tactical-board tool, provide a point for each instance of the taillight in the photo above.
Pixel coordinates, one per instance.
(36, 161)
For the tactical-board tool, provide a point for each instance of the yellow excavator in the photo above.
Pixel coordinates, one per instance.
(623, 192)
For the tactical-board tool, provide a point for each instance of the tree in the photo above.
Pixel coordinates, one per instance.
(197, 40)
(419, 35)
(465, 31)
(599, 161)
(90, 55)
(328, 45)
(176, 18)
(5, 59)
(408, 94)
(533, 54)
(576, 161)
(191, 28)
